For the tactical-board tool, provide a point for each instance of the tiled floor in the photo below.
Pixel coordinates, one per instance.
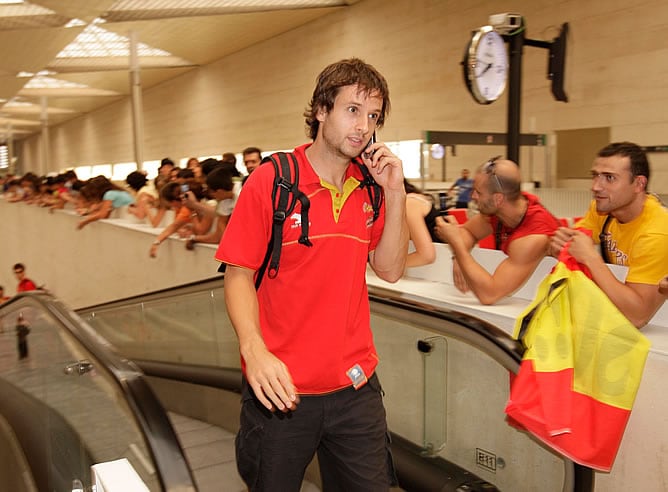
(210, 452)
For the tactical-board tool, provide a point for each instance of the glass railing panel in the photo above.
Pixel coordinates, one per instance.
(71, 402)
(434, 352)
(192, 328)
(477, 437)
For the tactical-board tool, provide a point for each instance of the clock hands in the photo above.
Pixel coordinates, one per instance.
(489, 65)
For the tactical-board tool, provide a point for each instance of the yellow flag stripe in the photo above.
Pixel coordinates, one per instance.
(577, 326)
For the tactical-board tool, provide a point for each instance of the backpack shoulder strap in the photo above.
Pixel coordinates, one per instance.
(373, 189)
(284, 196)
(602, 241)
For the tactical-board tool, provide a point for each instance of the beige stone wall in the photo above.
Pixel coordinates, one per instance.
(105, 261)
(616, 72)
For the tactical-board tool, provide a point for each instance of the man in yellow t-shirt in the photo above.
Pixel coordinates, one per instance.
(629, 227)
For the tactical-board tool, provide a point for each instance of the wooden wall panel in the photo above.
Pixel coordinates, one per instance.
(576, 150)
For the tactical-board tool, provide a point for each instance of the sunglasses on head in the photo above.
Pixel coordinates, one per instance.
(489, 167)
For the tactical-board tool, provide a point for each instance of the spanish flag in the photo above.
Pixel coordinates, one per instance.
(581, 368)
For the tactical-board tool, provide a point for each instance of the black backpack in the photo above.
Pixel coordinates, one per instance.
(286, 194)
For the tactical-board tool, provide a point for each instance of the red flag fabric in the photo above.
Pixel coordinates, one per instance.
(581, 368)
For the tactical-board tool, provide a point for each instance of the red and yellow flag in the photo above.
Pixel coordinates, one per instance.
(581, 369)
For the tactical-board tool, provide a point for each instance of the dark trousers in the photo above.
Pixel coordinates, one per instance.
(22, 347)
(346, 428)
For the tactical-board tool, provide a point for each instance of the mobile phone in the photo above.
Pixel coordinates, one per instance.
(369, 154)
(184, 188)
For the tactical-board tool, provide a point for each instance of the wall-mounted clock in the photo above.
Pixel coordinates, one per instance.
(437, 151)
(486, 65)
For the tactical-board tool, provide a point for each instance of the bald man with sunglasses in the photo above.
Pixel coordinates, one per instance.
(520, 224)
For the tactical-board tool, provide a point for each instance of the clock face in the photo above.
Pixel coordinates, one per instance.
(437, 151)
(486, 65)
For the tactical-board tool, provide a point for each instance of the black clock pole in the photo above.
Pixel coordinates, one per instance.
(516, 41)
(515, 45)
(557, 50)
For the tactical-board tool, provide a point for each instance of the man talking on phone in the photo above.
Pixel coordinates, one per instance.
(305, 340)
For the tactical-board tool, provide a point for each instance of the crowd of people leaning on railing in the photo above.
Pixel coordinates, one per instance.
(199, 198)
(195, 203)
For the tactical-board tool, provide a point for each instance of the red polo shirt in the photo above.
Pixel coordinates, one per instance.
(536, 220)
(314, 315)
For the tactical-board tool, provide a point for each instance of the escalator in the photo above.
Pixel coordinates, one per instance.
(72, 413)
(445, 377)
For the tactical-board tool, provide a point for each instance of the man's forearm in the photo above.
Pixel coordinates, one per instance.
(634, 306)
(478, 279)
(242, 307)
(389, 258)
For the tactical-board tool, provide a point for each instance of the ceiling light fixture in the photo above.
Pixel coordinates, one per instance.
(97, 42)
(75, 23)
(49, 82)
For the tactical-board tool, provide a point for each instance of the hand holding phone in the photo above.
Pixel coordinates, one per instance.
(368, 154)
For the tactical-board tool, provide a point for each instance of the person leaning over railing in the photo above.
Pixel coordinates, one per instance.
(23, 189)
(194, 164)
(628, 227)
(220, 187)
(147, 199)
(13, 191)
(520, 224)
(186, 221)
(102, 197)
(65, 193)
